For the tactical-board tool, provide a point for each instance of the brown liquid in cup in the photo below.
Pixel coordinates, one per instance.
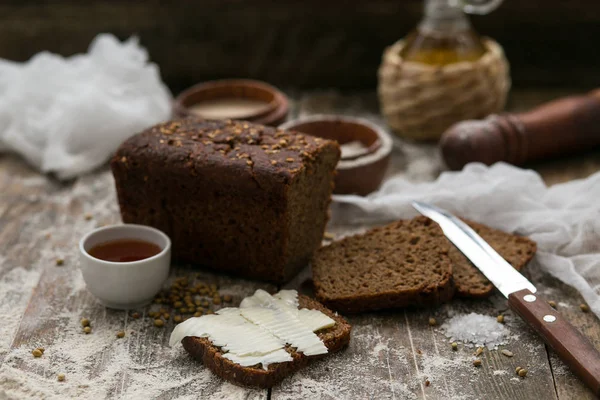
(124, 250)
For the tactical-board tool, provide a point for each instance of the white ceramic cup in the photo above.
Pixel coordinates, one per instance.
(125, 285)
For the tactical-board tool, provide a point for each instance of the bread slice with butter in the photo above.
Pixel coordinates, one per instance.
(333, 336)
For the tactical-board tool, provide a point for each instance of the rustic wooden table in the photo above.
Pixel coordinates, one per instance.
(392, 354)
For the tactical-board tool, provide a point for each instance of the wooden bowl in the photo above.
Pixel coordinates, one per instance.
(273, 111)
(366, 150)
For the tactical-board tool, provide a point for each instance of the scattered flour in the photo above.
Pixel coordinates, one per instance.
(99, 365)
(476, 330)
(16, 287)
(500, 372)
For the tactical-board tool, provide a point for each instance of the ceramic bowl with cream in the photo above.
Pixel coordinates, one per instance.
(125, 266)
(240, 99)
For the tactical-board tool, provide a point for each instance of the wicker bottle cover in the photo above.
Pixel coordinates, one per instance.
(421, 96)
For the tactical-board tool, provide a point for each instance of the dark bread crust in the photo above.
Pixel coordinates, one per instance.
(334, 338)
(232, 196)
(370, 271)
(517, 250)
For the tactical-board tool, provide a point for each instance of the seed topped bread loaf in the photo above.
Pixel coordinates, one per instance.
(402, 264)
(335, 338)
(231, 195)
(517, 250)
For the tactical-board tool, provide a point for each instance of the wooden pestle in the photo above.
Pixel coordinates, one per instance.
(566, 125)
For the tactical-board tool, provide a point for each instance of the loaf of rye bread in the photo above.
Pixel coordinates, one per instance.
(231, 195)
(335, 338)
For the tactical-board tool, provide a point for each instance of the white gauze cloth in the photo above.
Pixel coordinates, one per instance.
(68, 115)
(563, 219)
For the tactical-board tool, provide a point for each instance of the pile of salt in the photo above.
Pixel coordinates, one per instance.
(476, 330)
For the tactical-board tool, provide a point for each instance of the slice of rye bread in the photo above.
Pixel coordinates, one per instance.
(334, 338)
(517, 250)
(402, 264)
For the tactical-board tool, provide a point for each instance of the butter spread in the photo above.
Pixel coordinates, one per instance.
(223, 330)
(258, 331)
(290, 297)
(286, 326)
(315, 320)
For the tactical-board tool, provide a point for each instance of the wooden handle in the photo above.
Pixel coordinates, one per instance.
(570, 345)
(562, 126)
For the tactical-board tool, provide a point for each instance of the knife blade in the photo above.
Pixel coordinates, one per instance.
(571, 346)
(491, 264)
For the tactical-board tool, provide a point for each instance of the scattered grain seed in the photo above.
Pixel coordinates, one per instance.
(198, 314)
(37, 353)
(518, 369)
(159, 323)
(552, 303)
(274, 162)
(166, 316)
(507, 353)
(500, 318)
(454, 346)
(522, 372)
(163, 311)
(85, 322)
(217, 300)
(178, 304)
(210, 312)
(121, 334)
(427, 383)
(135, 315)
(177, 319)
(329, 236)
(479, 351)
(60, 377)
(183, 310)
(87, 330)
(227, 298)
(88, 216)
(289, 159)
(432, 321)
(60, 261)
(477, 362)
(41, 349)
(584, 307)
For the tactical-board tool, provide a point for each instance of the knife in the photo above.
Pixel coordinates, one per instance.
(570, 345)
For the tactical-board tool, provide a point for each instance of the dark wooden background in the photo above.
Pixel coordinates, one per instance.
(301, 43)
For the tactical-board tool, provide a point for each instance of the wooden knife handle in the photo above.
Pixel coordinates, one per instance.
(566, 125)
(570, 345)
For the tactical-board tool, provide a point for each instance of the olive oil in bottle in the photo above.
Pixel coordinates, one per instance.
(444, 36)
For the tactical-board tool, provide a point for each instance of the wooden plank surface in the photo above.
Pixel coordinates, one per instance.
(392, 354)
